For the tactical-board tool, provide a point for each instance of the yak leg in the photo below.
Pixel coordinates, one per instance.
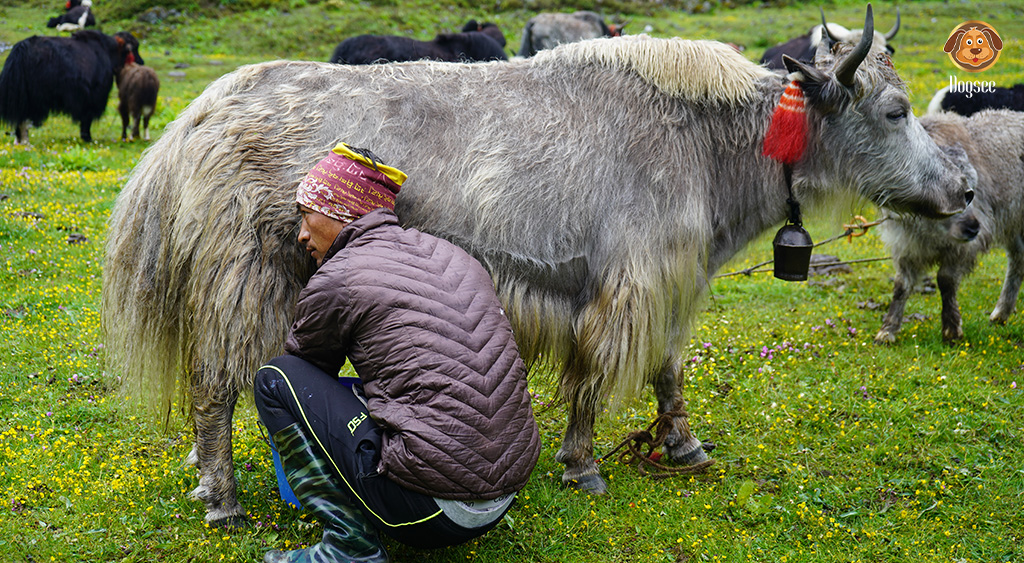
(145, 125)
(135, 126)
(21, 133)
(681, 446)
(948, 280)
(124, 123)
(84, 128)
(1011, 285)
(212, 412)
(903, 285)
(577, 451)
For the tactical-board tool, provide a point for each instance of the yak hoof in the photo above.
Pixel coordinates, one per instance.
(221, 517)
(999, 316)
(690, 452)
(231, 522)
(591, 483)
(220, 514)
(885, 338)
(952, 335)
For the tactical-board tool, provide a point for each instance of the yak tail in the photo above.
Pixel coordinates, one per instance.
(142, 321)
(16, 101)
(202, 269)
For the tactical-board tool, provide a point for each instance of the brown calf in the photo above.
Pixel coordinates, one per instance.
(137, 88)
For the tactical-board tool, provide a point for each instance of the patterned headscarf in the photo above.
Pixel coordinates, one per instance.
(348, 184)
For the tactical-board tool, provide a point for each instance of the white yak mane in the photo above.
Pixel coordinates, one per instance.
(700, 71)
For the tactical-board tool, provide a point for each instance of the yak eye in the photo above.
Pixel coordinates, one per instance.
(896, 115)
(980, 41)
(969, 42)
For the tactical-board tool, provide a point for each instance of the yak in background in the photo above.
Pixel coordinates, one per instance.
(548, 30)
(967, 103)
(481, 43)
(994, 141)
(804, 47)
(137, 89)
(489, 28)
(68, 75)
(601, 250)
(78, 15)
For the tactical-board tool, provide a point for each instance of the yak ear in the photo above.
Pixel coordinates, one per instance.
(818, 87)
(811, 74)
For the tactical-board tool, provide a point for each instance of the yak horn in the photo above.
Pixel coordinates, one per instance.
(848, 68)
(895, 28)
(828, 32)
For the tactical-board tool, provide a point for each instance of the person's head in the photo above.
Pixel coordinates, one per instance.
(344, 186)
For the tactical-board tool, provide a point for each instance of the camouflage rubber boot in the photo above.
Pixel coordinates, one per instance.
(348, 535)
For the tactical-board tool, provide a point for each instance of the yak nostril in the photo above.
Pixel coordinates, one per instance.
(969, 196)
(970, 228)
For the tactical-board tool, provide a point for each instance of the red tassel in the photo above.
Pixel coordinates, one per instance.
(787, 134)
(130, 59)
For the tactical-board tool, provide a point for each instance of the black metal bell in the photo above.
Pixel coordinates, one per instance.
(792, 248)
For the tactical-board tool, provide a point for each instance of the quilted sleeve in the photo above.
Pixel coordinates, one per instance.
(322, 331)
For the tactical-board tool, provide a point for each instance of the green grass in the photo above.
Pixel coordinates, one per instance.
(829, 447)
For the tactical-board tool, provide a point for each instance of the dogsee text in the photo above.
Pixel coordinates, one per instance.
(970, 87)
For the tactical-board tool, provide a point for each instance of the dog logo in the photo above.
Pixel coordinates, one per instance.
(974, 46)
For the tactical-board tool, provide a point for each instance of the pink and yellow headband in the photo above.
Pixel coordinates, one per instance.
(347, 185)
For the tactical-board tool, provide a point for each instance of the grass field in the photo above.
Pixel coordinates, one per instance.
(829, 448)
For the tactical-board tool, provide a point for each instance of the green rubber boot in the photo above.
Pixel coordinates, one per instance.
(348, 535)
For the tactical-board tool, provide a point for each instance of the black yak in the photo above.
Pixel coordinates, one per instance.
(488, 28)
(602, 183)
(969, 99)
(467, 46)
(69, 75)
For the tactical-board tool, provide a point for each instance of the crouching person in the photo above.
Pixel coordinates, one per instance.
(432, 445)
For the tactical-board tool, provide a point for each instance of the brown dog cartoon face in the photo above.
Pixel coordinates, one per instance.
(974, 46)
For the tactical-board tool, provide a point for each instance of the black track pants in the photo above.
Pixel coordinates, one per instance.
(289, 389)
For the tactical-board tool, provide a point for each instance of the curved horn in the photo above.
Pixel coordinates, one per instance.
(828, 32)
(895, 28)
(847, 68)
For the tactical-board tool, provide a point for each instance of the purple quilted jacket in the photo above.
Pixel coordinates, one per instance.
(418, 318)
